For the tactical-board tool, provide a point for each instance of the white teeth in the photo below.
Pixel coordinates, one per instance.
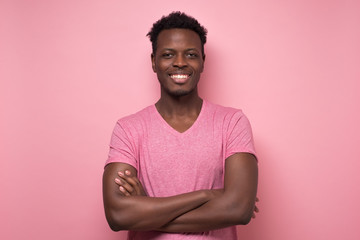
(178, 76)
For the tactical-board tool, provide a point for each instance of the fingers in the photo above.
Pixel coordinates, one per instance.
(130, 184)
(256, 209)
(124, 187)
(134, 182)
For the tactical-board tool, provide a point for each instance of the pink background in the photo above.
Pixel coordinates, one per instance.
(70, 69)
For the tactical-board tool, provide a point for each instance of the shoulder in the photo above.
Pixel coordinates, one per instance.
(135, 121)
(225, 113)
(136, 118)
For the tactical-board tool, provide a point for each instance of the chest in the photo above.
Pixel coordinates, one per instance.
(182, 162)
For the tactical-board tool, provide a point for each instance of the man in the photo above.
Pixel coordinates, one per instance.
(183, 168)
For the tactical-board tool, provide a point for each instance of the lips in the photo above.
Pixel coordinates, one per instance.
(179, 78)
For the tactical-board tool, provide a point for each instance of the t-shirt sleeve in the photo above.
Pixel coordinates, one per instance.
(122, 147)
(239, 135)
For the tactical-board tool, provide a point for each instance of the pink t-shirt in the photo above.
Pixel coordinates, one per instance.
(171, 163)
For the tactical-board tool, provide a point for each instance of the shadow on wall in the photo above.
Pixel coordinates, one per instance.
(210, 83)
(265, 191)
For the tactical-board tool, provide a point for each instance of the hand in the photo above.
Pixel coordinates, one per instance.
(256, 209)
(129, 185)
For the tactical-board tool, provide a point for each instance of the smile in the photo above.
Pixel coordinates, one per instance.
(179, 76)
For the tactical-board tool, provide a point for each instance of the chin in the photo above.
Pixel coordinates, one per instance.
(179, 93)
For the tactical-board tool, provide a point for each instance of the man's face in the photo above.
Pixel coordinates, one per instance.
(178, 61)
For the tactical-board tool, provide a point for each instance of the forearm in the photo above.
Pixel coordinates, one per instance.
(147, 213)
(139, 212)
(191, 212)
(214, 214)
(233, 207)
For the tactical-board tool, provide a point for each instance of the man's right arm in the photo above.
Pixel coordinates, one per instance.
(142, 212)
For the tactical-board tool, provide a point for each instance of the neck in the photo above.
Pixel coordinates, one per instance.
(179, 106)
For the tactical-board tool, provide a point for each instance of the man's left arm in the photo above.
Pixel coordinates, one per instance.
(233, 206)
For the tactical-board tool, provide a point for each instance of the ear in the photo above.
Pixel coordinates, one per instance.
(153, 62)
(202, 67)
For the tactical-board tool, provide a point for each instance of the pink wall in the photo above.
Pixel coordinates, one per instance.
(69, 69)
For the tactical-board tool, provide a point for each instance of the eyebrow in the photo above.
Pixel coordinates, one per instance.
(188, 49)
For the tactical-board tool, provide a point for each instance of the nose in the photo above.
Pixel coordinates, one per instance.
(179, 61)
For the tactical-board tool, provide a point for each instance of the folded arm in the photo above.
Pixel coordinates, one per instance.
(139, 212)
(233, 205)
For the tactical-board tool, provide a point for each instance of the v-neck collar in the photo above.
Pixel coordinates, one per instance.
(173, 130)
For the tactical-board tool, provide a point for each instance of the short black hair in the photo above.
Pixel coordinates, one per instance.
(176, 20)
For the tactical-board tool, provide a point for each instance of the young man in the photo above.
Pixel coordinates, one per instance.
(183, 168)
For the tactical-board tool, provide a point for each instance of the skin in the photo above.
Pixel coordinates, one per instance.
(178, 51)
(127, 206)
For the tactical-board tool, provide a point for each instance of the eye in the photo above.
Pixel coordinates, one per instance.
(167, 55)
(192, 55)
